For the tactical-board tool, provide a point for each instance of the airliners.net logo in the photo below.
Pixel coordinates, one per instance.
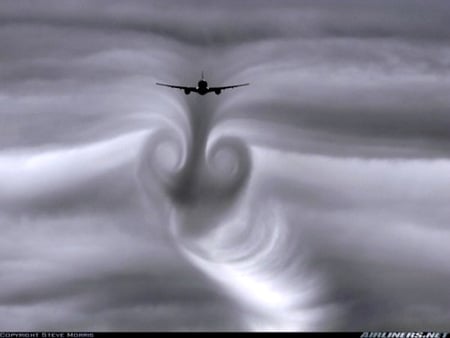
(404, 335)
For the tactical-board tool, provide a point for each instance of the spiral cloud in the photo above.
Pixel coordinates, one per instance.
(314, 199)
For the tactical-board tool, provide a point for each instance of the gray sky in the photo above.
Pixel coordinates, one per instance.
(314, 199)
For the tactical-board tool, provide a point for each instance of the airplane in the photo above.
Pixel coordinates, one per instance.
(202, 87)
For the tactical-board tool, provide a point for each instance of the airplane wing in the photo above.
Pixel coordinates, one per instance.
(191, 89)
(213, 89)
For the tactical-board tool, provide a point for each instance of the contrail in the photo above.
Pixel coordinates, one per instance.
(249, 256)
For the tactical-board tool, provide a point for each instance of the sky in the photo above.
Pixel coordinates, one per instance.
(314, 199)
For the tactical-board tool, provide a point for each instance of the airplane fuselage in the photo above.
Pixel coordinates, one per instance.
(202, 87)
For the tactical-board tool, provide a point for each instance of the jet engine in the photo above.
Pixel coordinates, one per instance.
(217, 91)
(187, 91)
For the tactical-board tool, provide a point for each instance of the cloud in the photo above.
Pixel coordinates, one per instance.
(313, 199)
(375, 228)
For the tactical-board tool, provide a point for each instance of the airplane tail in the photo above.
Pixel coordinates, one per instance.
(203, 76)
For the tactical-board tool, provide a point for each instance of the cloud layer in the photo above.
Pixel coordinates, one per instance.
(313, 199)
